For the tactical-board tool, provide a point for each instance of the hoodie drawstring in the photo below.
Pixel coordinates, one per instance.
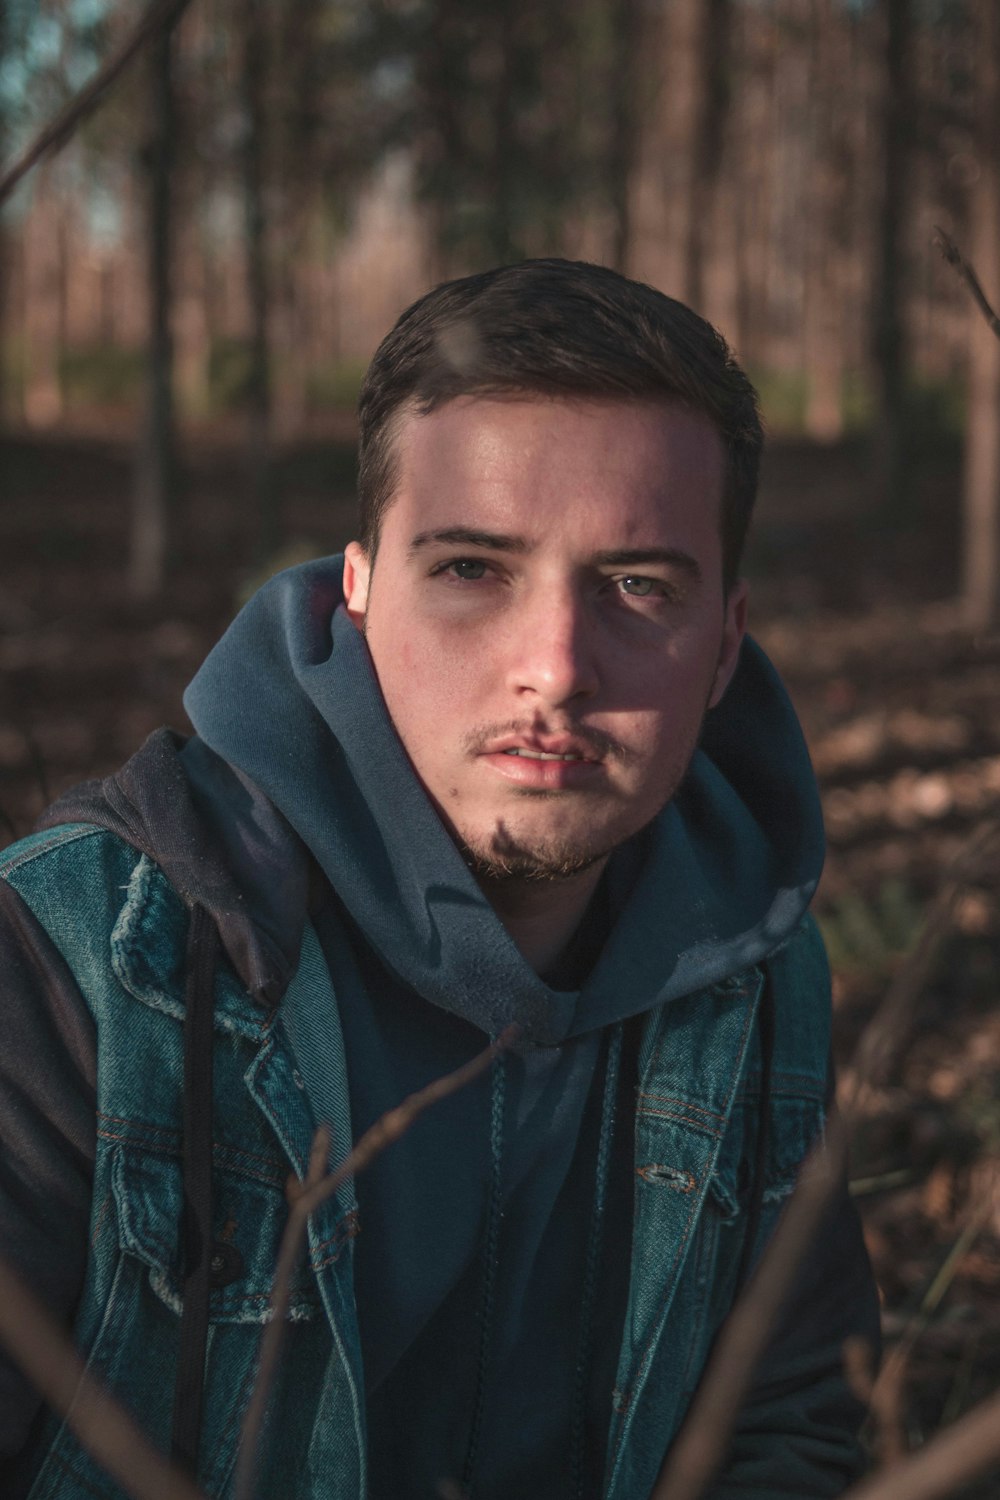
(494, 1214)
(202, 944)
(595, 1241)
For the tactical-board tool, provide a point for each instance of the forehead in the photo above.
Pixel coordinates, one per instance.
(636, 462)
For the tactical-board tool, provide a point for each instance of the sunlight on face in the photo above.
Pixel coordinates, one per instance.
(547, 618)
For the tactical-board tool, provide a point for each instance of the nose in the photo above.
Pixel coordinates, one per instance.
(553, 655)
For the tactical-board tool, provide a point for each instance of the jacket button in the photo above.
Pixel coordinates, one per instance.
(225, 1266)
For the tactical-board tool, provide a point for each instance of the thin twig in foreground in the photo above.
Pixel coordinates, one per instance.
(887, 1392)
(953, 1457)
(161, 15)
(57, 1372)
(880, 1040)
(700, 1445)
(955, 258)
(695, 1452)
(305, 1198)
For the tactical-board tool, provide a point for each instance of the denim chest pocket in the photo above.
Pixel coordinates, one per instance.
(795, 1124)
(132, 1348)
(249, 1216)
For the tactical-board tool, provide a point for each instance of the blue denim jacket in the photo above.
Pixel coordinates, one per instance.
(123, 938)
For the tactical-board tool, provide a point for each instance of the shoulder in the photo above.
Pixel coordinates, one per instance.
(73, 877)
(79, 883)
(797, 974)
(66, 854)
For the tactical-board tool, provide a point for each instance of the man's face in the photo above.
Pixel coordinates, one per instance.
(547, 619)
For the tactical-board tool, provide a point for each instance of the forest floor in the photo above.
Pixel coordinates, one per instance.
(901, 708)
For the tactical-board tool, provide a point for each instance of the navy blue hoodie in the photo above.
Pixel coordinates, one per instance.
(474, 1266)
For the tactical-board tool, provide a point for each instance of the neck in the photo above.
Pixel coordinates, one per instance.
(542, 915)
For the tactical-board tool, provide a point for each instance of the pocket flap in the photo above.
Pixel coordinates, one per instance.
(796, 1123)
(248, 1215)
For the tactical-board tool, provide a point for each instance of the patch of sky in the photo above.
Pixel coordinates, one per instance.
(391, 77)
(104, 216)
(43, 43)
(89, 12)
(13, 84)
(80, 68)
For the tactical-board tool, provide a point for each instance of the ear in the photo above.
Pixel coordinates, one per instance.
(357, 577)
(733, 631)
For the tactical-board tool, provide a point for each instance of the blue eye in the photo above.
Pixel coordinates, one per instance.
(640, 588)
(468, 568)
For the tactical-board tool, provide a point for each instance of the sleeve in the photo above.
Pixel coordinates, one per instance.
(47, 1136)
(797, 1435)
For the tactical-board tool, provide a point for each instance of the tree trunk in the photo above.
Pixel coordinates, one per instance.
(712, 84)
(981, 498)
(153, 491)
(823, 313)
(43, 397)
(889, 331)
(259, 394)
(622, 148)
(192, 331)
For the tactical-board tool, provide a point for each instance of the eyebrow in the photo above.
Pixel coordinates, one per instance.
(498, 541)
(466, 536)
(634, 557)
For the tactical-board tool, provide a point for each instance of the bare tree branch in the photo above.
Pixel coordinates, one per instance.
(698, 1449)
(695, 1453)
(956, 1455)
(305, 1198)
(56, 1370)
(955, 258)
(880, 1040)
(160, 15)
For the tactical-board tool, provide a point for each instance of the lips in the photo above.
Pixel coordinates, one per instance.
(544, 763)
(539, 754)
(565, 748)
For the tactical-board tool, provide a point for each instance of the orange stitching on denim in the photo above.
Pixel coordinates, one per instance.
(676, 1177)
(144, 1125)
(696, 1109)
(675, 1098)
(135, 1139)
(670, 1114)
(348, 1230)
(748, 1019)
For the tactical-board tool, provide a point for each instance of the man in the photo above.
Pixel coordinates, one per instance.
(509, 761)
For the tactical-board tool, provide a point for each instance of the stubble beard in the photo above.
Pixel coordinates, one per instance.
(507, 860)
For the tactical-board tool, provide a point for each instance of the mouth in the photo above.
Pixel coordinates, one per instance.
(544, 747)
(549, 763)
(541, 754)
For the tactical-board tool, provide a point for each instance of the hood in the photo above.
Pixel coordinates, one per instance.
(296, 760)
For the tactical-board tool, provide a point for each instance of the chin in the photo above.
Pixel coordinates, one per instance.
(507, 852)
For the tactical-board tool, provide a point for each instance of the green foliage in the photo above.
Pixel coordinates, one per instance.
(11, 369)
(335, 386)
(868, 934)
(935, 408)
(782, 399)
(229, 363)
(101, 374)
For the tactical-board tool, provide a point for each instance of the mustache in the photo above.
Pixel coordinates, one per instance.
(603, 745)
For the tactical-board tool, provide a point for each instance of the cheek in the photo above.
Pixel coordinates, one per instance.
(676, 708)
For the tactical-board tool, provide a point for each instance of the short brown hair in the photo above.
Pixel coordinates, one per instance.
(558, 328)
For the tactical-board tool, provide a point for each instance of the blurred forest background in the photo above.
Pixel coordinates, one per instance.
(192, 283)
